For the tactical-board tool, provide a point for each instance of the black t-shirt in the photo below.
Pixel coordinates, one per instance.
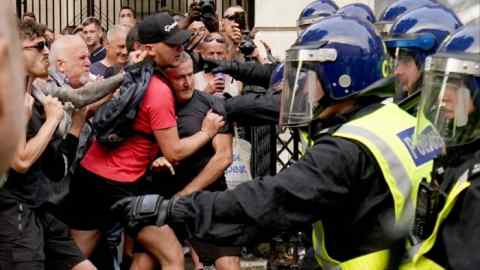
(34, 186)
(189, 121)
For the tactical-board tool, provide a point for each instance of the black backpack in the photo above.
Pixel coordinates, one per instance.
(112, 122)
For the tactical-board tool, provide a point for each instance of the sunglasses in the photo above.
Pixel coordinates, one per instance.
(39, 46)
(209, 39)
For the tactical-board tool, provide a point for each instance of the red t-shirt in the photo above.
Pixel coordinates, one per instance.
(129, 161)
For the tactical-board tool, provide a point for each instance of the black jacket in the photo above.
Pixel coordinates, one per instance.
(458, 240)
(254, 107)
(337, 181)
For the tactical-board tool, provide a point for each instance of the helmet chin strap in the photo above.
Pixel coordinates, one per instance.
(323, 103)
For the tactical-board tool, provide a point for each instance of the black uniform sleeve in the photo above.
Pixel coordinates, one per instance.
(252, 73)
(254, 108)
(317, 186)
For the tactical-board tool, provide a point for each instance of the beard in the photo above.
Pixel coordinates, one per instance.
(84, 79)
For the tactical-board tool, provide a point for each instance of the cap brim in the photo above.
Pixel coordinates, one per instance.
(179, 37)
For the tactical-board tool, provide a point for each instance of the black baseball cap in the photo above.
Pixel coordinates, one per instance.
(161, 28)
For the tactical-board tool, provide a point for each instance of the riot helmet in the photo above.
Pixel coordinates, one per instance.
(331, 60)
(358, 10)
(449, 111)
(393, 11)
(414, 36)
(314, 12)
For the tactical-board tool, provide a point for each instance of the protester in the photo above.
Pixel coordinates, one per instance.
(127, 17)
(29, 16)
(214, 47)
(107, 174)
(116, 48)
(92, 33)
(31, 237)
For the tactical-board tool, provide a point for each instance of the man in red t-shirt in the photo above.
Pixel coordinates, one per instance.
(106, 175)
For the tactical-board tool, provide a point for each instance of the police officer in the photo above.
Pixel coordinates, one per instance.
(314, 12)
(393, 11)
(414, 36)
(447, 219)
(358, 179)
(359, 10)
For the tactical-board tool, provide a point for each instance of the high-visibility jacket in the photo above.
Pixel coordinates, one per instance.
(416, 259)
(387, 133)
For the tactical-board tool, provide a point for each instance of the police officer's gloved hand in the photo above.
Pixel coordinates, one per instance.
(135, 213)
(214, 66)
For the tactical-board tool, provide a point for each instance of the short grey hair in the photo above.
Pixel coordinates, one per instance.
(59, 47)
(115, 30)
(183, 58)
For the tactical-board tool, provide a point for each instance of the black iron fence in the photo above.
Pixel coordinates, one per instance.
(57, 14)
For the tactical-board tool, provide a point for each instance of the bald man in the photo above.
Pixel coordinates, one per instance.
(116, 51)
(69, 61)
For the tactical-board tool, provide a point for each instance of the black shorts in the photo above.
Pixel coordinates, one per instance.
(87, 207)
(34, 239)
(209, 253)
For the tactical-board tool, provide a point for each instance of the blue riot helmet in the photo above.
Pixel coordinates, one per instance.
(449, 110)
(276, 79)
(358, 10)
(414, 36)
(332, 60)
(316, 11)
(393, 11)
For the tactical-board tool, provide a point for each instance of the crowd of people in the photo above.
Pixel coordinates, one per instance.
(116, 142)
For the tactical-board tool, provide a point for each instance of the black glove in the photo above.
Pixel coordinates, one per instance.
(213, 66)
(135, 213)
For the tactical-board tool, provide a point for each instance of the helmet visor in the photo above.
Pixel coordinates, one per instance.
(447, 109)
(301, 86)
(298, 95)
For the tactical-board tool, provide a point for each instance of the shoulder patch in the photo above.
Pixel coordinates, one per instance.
(423, 152)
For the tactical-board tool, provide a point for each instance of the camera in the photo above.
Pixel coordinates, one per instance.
(207, 7)
(247, 46)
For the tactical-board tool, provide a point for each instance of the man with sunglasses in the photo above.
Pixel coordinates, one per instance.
(214, 47)
(31, 237)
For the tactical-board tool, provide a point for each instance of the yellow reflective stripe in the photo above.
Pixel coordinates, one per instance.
(321, 254)
(397, 169)
(425, 246)
(373, 261)
(378, 260)
(422, 264)
(306, 141)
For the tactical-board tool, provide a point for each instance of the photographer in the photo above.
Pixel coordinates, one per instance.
(244, 47)
(203, 11)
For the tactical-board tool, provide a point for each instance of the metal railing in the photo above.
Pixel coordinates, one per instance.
(57, 14)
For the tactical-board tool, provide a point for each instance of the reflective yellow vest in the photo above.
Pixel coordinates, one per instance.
(416, 253)
(387, 133)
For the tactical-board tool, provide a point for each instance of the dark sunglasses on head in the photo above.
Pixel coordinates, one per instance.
(213, 38)
(39, 46)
